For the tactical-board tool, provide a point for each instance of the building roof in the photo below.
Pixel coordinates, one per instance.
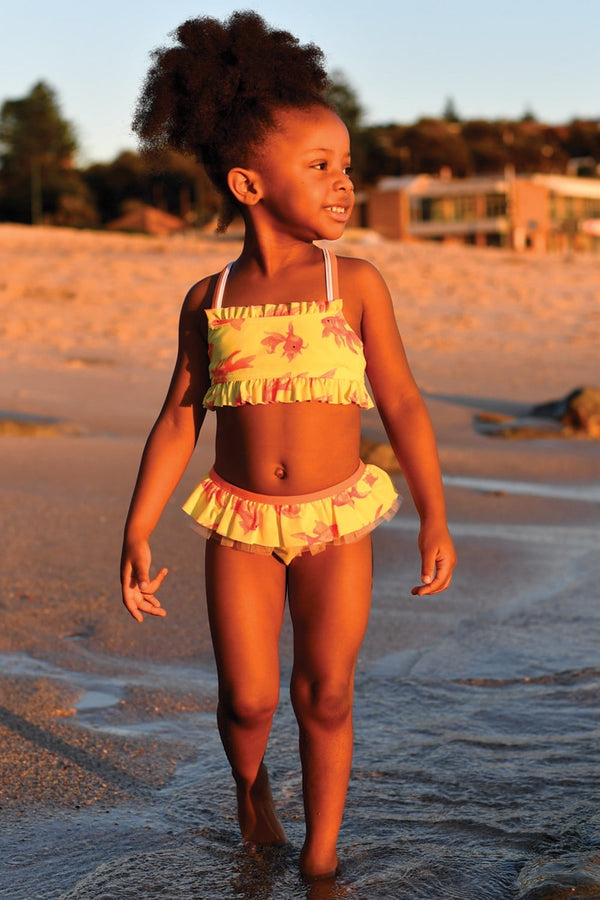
(570, 186)
(147, 220)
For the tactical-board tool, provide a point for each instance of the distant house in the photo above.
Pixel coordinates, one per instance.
(543, 212)
(147, 220)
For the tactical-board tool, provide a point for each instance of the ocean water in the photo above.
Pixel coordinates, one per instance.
(476, 771)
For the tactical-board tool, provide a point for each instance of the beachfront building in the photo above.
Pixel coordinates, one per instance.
(542, 212)
(573, 211)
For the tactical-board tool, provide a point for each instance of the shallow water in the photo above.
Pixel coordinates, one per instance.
(587, 493)
(475, 771)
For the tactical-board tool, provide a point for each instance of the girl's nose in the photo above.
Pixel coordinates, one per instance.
(343, 182)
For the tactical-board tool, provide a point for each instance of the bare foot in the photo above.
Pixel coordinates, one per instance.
(321, 870)
(258, 820)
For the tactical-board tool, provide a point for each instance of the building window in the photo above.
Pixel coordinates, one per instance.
(591, 207)
(426, 209)
(495, 206)
(464, 209)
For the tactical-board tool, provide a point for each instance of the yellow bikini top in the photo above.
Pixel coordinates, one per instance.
(284, 352)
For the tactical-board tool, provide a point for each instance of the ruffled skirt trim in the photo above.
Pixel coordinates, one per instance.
(291, 525)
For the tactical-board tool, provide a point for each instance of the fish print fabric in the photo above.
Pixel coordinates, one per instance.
(283, 353)
(291, 525)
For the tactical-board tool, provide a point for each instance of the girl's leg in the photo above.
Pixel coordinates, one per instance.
(246, 600)
(330, 596)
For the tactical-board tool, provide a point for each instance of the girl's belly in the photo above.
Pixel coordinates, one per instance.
(287, 448)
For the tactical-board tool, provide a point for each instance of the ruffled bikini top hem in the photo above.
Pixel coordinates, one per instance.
(288, 389)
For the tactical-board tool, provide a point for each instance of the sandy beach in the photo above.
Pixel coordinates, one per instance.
(99, 714)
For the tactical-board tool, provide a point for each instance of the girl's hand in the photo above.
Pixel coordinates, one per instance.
(137, 588)
(438, 559)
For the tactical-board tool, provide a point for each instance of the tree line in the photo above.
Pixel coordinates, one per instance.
(39, 181)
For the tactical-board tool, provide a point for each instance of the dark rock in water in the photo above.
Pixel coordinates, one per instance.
(21, 424)
(573, 416)
(554, 409)
(584, 412)
(579, 411)
(379, 453)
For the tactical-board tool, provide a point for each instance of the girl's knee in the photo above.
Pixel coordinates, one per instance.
(247, 709)
(324, 704)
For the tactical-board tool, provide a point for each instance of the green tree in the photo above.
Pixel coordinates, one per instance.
(36, 148)
(345, 101)
(435, 144)
(489, 144)
(166, 179)
(366, 154)
(583, 138)
(450, 113)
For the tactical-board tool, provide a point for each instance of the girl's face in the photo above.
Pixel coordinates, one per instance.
(304, 168)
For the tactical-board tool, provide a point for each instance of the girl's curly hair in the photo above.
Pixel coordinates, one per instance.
(214, 94)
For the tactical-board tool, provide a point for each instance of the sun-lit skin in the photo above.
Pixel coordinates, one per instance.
(297, 190)
(300, 182)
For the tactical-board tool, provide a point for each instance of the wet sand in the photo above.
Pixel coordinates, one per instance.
(96, 712)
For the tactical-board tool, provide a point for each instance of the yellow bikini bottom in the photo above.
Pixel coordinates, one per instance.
(290, 525)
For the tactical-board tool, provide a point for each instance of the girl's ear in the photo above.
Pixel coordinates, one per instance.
(245, 186)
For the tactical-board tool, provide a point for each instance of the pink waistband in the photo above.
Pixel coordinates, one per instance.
(288, 498)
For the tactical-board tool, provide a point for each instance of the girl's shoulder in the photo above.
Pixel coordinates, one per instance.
(360, 279)
(354, 266)
(200, 295)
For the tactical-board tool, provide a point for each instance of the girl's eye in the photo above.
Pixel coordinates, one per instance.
(322, 167)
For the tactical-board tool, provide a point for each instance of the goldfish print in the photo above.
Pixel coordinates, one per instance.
(235, 323)
(347, 498)
(224, 367)
(338, 328)
(290, 510)
(273, 386)
(216, 494)
(292, 344)
(249, 517)
(371, 479)
(321, 533)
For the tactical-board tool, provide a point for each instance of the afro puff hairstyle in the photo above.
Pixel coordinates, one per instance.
(215, 93)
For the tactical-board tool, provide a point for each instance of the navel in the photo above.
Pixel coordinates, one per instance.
(280, 472)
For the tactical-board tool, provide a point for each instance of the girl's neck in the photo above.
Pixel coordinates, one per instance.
(270, 253)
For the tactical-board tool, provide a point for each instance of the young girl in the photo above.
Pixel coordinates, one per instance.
(278, 345)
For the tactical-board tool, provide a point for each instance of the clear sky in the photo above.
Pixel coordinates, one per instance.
(404, 58)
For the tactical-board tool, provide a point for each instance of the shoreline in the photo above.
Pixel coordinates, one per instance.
(71, 350)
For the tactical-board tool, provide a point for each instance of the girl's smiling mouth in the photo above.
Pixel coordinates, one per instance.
(342, 211)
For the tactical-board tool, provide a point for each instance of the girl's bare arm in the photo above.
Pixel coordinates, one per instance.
(165, 457)
(407, 424)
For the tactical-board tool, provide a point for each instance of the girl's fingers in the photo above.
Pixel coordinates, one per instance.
(137, 604)
(443, 576)
(151, 606)
(139, 590)
(428, 569)
(156, 582)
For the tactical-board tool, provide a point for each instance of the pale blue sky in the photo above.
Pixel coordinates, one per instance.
(403, 57)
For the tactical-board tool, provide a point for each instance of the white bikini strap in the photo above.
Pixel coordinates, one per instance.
(331, 274)
(331, 279)
(220, 288)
